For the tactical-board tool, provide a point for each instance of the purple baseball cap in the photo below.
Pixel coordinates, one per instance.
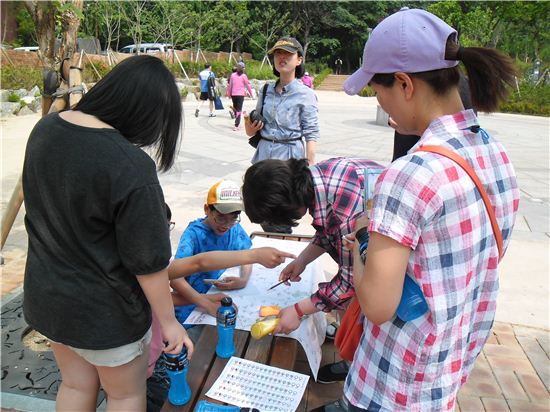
(409, 41)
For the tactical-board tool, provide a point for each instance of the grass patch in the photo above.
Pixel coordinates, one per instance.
(320, 78)
(21, 77)
(529, 100)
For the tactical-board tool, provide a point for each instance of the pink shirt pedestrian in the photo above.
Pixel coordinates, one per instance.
(308, 81)
(238, 84)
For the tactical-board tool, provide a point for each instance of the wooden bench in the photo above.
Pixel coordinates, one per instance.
(205, 367)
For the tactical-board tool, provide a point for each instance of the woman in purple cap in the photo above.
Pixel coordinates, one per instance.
(428, 220)
(237, 88)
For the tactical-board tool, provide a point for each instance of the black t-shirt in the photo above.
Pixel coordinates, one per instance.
(96, 218)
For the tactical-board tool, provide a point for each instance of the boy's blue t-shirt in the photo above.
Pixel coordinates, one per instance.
(199, 238)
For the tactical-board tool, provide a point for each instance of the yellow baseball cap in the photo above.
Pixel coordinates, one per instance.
(226, 197)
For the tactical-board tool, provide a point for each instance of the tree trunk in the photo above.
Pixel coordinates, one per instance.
(70, 21)
(43, 15)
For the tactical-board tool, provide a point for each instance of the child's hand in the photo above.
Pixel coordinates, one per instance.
(175, 337)
(214, 302)
(363, 221)
(292, 272)
(271, 257)
(289, 321)
(348, 241)
(358, 267)
(231, 282)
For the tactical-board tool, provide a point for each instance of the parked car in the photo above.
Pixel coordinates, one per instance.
(149, 48)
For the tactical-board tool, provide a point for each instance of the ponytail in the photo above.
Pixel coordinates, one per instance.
(489, 72)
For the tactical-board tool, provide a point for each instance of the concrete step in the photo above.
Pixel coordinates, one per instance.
(333, 82)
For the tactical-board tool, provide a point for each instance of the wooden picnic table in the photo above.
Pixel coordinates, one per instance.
(205, 367)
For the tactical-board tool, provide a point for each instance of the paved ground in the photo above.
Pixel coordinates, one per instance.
(515, 367)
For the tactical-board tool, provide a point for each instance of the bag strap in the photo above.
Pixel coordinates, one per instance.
(264, 92)
(468, 169)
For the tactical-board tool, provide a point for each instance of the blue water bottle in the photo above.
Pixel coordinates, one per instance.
(177, 367)
(412, 304)
(205, 406)
(226, 318)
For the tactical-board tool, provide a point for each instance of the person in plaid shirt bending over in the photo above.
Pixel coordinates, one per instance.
(428, 220)
(332, 190)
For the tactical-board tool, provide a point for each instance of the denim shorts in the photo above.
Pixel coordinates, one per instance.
(116, 356)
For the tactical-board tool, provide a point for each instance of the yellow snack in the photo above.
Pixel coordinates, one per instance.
(269, 310)
(263, 327)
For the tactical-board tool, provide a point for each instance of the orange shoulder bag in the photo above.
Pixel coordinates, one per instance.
(351, 326)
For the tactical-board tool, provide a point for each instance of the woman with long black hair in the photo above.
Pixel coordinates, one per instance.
(99, 243)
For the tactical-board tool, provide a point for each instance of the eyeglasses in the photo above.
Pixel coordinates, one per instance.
(171, 225)
(224, 221)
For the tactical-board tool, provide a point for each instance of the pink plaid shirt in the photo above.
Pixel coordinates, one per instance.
(339, 187)
(428, 203)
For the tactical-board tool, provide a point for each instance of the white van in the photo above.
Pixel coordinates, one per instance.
(27, 48)
(147, 48)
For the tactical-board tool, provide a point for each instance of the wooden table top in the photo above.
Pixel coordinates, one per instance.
(205, 367)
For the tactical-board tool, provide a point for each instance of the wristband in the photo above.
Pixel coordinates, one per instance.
(299, 311)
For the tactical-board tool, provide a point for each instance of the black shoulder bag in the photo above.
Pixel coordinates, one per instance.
(254, 140)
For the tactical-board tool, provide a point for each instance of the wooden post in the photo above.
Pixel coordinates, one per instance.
(181, 65)
(12, 209)
(75, 79)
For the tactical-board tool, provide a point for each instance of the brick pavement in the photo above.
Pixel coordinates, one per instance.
(512, 374)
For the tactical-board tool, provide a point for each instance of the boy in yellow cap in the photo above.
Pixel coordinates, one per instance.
(218, 230)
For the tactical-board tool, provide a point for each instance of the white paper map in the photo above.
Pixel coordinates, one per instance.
(311, 332)
(255, 385)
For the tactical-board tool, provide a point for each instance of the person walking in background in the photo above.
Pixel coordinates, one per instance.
(99, 245)
(338, 65)
(307, 80)
(231, 112)
(208, 91)
(428, 220)
(290, 113)
(236, 89)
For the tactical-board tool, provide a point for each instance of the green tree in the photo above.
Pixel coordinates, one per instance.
(228, 23)
(103, 20)
(270, 21)
(133, 13)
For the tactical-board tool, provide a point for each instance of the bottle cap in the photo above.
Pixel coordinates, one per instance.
(227, 301)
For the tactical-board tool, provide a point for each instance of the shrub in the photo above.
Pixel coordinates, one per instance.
(317, 80)
(13, 98)
(89, 75)
(184, 92)
(366, 92)
(21, 77)
(531, 99)
(315, 67)
(254, 70)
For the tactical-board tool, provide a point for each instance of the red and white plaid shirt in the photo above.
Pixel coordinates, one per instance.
(339, 188)
(428, 203)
